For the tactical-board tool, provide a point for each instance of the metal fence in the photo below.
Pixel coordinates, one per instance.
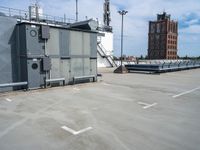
(24, 15)
(165, 66)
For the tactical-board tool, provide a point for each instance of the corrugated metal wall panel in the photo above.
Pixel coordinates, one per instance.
(64, 43)
(7, 46)
(93, 44)
(64, 69)
(86, 66)
(55, 68)
(34, 47)
(86, 44)
(93, 67)
(76, 43)
(76, 67)
(53, 44)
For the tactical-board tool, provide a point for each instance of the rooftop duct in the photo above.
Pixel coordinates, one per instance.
(86, 25)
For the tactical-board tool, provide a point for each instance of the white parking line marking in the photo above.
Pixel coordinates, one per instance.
(106, 84)
(9, 100)
(145, 105)
(76, 132)
(76, 89)
(142, 103)
(154, 104)
(186, 92)
(12, 127)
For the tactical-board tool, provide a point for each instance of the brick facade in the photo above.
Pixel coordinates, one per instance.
(163, 38)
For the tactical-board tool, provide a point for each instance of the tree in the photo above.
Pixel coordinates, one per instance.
(186, 57)
(141, 57)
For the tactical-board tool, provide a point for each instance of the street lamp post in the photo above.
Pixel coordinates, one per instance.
(122, 13)
(76, 10)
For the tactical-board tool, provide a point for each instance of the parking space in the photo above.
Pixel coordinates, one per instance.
(121, 112)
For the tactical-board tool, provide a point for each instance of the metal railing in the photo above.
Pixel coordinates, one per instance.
(24, 15)
(165, 66)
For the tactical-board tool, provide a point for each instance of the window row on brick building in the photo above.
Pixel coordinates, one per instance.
(172, 47)
(172, 37)
(172, 27)
(172, 42)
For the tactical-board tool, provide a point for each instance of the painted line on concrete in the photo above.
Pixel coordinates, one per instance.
(149, 106)
(146, 105)
(142, 103)
(8, 99)
(106, 84)
(15, 125)
(76, 132)
(186, 92)
(12, 127)
(76, 89)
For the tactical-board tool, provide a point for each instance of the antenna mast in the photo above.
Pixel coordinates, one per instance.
(106, 16)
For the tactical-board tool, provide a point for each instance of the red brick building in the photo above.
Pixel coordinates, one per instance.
(163, 38)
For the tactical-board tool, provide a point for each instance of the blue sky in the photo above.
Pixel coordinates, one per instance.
(186, 12)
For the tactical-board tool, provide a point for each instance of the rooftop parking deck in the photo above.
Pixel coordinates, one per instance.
(120, 112)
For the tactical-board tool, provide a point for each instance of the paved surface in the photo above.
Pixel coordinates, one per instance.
(122, 112)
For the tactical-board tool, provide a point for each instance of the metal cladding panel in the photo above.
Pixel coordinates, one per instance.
(21, 38)
(86, 44)
(93, 44)
(86, 66)
(45, 32)
(64, 69)
(76, 67)
(23, 70)
(93, 67)
(55, 68)
(46, 64)
(7, 50)
(33, 45)
(76, 43)
(64, 42)
(53, 44)
(33, 73)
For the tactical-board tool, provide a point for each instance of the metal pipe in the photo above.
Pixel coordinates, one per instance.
(13, 84)
(76, 10)
(55, 80)
(84, 77)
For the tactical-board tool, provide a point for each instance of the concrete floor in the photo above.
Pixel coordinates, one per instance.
(121, 112)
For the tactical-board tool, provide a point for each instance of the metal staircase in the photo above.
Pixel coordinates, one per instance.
(101, 51)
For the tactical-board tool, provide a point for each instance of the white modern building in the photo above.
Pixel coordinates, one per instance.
(105, 40)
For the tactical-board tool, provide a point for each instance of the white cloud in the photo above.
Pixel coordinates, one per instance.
(192, 29)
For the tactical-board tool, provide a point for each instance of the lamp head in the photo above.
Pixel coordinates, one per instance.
(122, 12)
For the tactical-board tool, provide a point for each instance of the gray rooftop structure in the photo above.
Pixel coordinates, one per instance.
(39, 51)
